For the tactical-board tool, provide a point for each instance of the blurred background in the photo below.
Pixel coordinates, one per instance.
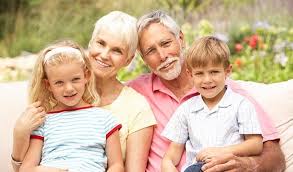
(258, 32)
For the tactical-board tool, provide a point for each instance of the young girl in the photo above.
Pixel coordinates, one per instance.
(76, 136)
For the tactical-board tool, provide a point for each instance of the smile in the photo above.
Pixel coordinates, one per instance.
(70, 95)
(102, 64)
(168, 65)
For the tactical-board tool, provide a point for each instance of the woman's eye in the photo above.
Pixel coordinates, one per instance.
(118, 51)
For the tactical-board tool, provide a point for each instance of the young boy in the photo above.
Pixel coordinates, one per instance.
(216, 122)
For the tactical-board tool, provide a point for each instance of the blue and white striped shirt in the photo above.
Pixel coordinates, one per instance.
(76, 139)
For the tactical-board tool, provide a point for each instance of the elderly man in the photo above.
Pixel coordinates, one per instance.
(161, 44)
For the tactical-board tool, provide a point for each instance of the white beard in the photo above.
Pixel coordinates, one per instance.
(172, 73)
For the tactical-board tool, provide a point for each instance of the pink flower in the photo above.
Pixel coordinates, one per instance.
(238, 47)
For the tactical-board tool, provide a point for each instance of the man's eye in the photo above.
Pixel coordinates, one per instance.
(166, 44)
(150, 51)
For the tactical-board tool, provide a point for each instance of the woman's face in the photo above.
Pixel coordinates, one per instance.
(108, 54)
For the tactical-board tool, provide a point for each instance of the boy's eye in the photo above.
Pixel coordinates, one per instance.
(58, 82)
(198, 73)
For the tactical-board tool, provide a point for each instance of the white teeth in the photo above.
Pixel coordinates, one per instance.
(102, 64)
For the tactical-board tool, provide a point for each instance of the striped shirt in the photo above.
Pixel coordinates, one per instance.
(76, 139)
(198, 127)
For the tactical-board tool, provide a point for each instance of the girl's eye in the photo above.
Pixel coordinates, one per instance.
(76, 79)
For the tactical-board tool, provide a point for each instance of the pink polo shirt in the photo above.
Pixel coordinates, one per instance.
(164, 103)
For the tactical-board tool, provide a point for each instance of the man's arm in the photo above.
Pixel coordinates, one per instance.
(271, 160)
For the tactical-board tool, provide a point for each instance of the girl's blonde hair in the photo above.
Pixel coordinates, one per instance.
(38, 90)
(205, 50)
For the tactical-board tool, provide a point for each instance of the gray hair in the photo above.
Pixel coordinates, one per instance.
(158, 17)
(122, 26)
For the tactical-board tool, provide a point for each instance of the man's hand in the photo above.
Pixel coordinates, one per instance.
(230, 163)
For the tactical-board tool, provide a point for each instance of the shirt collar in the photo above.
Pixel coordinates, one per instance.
(225, 102)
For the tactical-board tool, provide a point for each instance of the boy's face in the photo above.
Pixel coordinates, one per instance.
(209, 81)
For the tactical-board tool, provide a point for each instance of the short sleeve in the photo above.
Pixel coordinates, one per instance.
(176, 129)
(38, 133)
(247, 118)
(143, 118)
(111, 125)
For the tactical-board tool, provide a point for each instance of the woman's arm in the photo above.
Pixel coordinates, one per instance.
(271, 159)
(172, 157)
(113, 152)
(137, 149)
(33, 156)
(30, 119)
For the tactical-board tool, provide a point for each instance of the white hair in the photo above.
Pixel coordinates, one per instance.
(122, 26)
(158, 17)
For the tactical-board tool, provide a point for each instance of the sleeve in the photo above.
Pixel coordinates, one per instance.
(176, 129)
(111, 125)
(269, 131)
(143, 118)
(247, 118)
(38, 133)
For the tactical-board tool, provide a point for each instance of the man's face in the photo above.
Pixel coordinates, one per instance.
(161, 51)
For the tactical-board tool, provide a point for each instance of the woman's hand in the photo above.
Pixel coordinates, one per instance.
(30, 119)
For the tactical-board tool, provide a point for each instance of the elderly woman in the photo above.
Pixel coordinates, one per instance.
(112, 47)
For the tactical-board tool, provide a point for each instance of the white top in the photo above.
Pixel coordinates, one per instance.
(198, 127)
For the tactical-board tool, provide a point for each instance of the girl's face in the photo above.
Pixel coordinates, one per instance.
(108, 54)
(67, 84)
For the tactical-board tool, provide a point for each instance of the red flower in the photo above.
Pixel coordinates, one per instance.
(253, 41)
(238, 47)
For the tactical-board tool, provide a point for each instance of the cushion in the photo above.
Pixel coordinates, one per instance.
(277, 100)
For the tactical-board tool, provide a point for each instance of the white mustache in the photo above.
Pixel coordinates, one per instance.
(169, 60)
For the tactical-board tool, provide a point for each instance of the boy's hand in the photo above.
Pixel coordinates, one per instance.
(207, 154)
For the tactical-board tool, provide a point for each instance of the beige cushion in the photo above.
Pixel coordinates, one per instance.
(276, 98)
(12, 101)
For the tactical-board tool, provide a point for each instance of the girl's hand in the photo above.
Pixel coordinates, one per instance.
(30, 119)
(207, 154)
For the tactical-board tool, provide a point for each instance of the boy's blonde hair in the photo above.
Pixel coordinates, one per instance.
(205, 50)
(121, 26)
(38, 90)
